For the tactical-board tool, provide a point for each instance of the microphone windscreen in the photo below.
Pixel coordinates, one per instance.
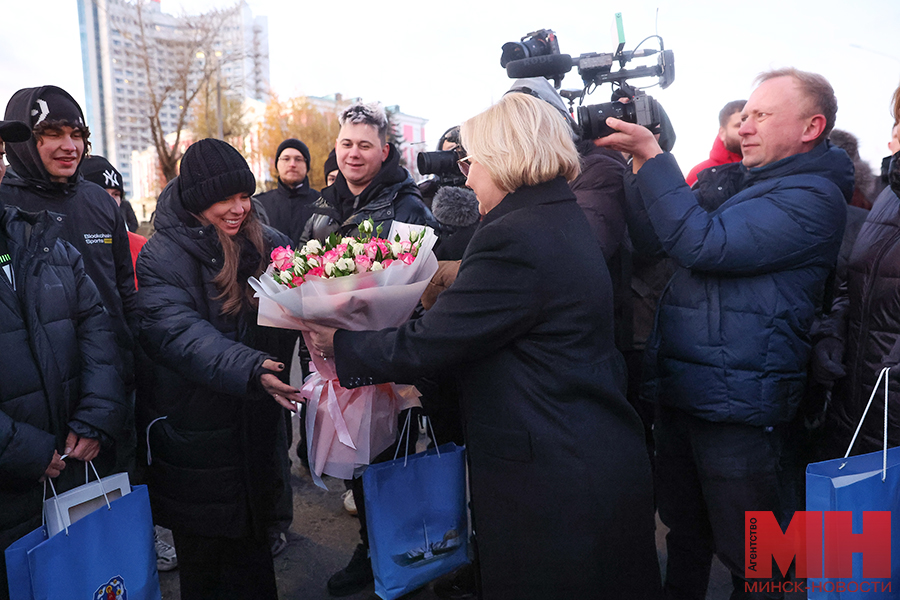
(539, 66)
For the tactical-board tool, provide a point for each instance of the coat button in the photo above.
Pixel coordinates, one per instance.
(720, 188)
(213, 261)
(46, 249)
(59, 218)
(713, 169)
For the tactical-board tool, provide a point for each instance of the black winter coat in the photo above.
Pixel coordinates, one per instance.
(866, 318)
(560, 478)
(61, 370)
(600, 192)
(93, 224)
(288, 209)
(212, 429)
(390, 196)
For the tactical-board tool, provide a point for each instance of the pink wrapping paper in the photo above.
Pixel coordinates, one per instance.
(346, 429)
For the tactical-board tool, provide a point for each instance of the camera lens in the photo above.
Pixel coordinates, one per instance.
(518, 50)
(592, 118)
(438, 163)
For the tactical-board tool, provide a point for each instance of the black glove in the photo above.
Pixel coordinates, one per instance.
(827, 360)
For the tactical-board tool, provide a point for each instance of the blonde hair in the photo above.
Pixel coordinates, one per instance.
(521, 141)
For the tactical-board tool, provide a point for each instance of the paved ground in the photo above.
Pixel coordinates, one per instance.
(323, 537)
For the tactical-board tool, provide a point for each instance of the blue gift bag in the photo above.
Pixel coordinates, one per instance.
(416, 518)
(106, 554)
(868, 482)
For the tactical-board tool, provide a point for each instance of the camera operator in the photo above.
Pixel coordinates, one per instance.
(731, 341)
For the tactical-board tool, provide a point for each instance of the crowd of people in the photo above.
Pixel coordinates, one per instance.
(609, 339)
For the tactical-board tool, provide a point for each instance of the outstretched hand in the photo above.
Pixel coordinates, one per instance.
(286, 395)
(636, 140)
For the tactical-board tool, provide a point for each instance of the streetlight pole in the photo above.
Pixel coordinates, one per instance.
(219, 131)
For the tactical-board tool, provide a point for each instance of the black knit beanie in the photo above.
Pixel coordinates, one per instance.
(331, 163)
(211, 171)
(296, 145)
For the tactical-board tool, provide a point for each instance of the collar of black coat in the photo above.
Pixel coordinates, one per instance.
(19, 225)
(550, 192)
(295, 190)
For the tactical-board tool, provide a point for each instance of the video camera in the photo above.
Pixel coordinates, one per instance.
(541, 58)
(443, 164)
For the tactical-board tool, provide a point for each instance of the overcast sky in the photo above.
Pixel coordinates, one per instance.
(440, 61)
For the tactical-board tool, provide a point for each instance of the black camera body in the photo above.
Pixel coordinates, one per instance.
(596, 69)
(640, 109)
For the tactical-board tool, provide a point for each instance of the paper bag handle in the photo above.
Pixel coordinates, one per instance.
(883, 375)
(86, 475)
(407, 429)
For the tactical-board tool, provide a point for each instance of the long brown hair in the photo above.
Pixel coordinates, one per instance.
(235, 295)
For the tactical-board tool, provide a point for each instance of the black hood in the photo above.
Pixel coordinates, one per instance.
(23, 156)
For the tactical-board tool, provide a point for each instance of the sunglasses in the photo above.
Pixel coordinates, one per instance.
(464, 164)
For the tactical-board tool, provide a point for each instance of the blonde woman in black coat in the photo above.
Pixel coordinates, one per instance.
(560, 479)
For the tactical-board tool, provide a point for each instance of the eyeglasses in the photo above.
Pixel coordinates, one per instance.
(464, 164)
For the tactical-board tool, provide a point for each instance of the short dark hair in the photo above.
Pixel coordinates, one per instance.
(735, 106)
(845, 141)
(817, 90)
(42, 127)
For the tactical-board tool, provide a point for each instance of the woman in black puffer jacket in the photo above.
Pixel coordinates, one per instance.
(862, 333)
(207, 385)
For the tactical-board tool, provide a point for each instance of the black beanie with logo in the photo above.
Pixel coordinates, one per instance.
(211, 171)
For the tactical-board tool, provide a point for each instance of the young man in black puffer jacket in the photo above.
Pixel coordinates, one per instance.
(372, 182)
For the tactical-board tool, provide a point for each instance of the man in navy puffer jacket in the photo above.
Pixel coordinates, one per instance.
(61, 387)
(728, 356)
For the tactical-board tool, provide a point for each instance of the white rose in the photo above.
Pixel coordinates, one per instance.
(313, 262)
(311, 247)
(345, 264)
(376, 266)
(358, 249)
(329, 269)
(413, 235)
(396, 248)
(348, 240)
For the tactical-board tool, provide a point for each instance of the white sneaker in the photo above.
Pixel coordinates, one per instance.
(349, 502)
(166, 560)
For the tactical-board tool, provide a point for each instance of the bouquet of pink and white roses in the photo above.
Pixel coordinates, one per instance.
(340, 257)
(356, 283)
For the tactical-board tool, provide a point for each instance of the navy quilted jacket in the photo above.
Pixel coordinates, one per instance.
(731, 338)
(61, 368)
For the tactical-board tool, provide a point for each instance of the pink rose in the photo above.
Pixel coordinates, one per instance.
(331, 256)
(296, 281)
(363, 262)
(386, 263)
(406, 258)
(282, 258)
(316, 272)
(371, 249)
